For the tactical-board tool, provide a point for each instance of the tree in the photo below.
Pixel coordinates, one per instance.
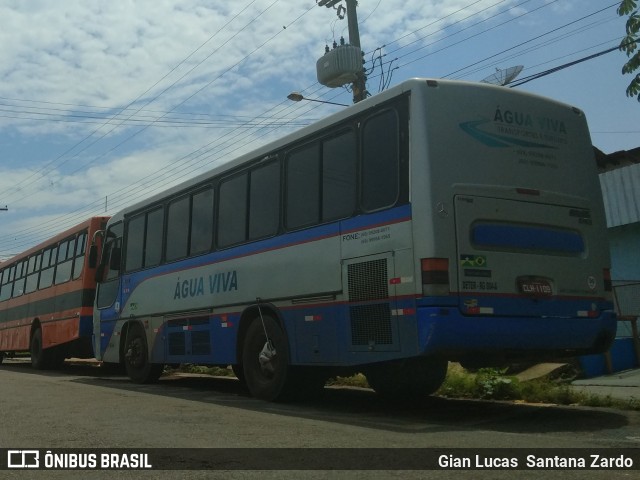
(629, 44)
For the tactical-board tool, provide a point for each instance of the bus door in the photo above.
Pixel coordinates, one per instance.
(523, 258)
(372, 309)
(109, 294)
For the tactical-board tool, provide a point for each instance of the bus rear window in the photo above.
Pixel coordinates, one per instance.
(539, 239)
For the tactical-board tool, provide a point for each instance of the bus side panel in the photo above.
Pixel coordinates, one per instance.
(199, 339)
(301, 265)
(374, 318)
(295, 265)
(14, 337)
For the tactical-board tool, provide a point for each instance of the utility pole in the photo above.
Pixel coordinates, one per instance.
(359, 82)
(359, 85)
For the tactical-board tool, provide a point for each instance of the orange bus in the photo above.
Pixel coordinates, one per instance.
(46, 298)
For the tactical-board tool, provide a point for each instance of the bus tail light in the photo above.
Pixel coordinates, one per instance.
(435, 276)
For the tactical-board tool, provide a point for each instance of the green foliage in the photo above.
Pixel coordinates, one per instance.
(491, 383)
(357, 380)
(202, 370)
(487, 383)
(626, 7)
(629, 45)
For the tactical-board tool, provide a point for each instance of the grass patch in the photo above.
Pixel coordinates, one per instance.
(495, 384)
(201, 370)
(486, 383)
(357, 380)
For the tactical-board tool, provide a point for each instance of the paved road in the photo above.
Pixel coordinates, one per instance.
(83, 407)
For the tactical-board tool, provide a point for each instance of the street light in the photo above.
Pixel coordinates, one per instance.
(298, 97)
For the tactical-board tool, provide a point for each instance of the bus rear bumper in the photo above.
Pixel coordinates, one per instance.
(446, 332)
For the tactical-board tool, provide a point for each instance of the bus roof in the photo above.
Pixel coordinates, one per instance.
(326, 122)
(60, 236)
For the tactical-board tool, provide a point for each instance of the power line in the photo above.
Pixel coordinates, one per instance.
(133, 102)
(535, 76)
(255, 50)
(531, 40)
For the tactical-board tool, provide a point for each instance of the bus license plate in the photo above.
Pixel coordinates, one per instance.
(536, 287)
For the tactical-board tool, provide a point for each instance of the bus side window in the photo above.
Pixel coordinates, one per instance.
(5, 293)
(81, 247)
(135, 243)
(380, 161)
(33, 272)
(339, 158)
(264, 201)
(201, 237)
(18, 284)
(178, 229)
(48, 267)
(109, 268)
(232, 210)
(303, 187)
(64, 262)
(153, 237)
(144, 240)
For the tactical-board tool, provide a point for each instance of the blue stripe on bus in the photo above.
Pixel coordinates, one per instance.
(525, 237)
(386, 217)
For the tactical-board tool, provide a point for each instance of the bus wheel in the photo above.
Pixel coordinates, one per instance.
(407, 379)
(136, 358)
(238, 371)
(266, 361)
(1, 357)
(39, 356)
(57, 356)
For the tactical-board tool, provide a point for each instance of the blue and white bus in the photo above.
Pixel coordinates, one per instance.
(436, 221)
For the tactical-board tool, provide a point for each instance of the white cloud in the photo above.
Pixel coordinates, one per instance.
(109, 53)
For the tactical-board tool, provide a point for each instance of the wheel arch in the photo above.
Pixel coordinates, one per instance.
(35, 325)
(126, 328)
(249, 315)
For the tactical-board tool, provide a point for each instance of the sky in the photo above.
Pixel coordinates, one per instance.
(103, 103)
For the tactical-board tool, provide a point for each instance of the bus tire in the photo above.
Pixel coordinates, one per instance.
(408, 379)
(56, 356)
(1, 357)
(267, 378)
(238, 371)
(136, 358)
(39, 359)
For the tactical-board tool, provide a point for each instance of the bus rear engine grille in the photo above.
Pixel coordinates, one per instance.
(371, 323)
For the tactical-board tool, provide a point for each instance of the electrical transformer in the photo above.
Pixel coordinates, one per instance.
(339, 66)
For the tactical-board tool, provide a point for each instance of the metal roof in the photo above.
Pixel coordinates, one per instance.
(621, 195)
